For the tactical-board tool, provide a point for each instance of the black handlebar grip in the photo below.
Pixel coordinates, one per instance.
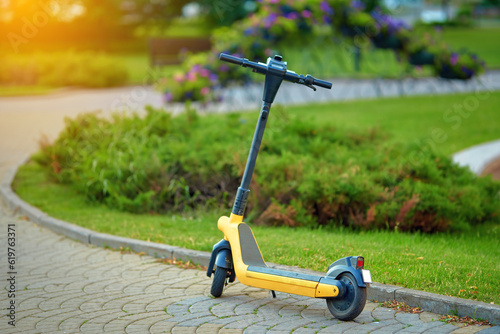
(231, 59)
(322, 83)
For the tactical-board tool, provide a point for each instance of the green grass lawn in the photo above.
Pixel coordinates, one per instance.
(139, 70)
(336, 60)
(464, 265)
(429, 120)
(137, 65)
(481, 40)
(25, 90)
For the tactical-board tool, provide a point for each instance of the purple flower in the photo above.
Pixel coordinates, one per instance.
(191, 76)
(327, 19)
(223, 68)
(204, 91)
(357, 4)
(325, 7)
(454, 58)
(306, 13)
(167, 97)
(248, 31)
(468, 72)
(196, 67)
(204, 72)
(292, 16)
(213, 77)
(386, 21)
(270, 20)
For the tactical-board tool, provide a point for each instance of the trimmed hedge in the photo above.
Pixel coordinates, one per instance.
(83, 69)
(307, 173)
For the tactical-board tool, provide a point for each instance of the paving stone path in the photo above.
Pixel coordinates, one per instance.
(66, 286)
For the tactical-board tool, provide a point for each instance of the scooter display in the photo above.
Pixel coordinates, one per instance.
(238, 255)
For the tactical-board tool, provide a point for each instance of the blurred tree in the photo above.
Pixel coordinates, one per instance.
(225, 12)
(61, 10)
(371, 5)
(109, 12)
(97, 22)
(493, 3)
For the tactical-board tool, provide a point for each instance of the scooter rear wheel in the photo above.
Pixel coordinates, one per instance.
(220, 278)
(352, 303)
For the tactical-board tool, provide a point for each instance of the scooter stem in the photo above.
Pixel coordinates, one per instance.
(240, 201)
(276, 70)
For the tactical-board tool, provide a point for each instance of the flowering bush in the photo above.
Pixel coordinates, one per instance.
(423, 50)
(196, 82)
(253, 37)
(388, 25)
(278, 19)
(70, 68)
(458, 65)
(389, 33)
(358, 23)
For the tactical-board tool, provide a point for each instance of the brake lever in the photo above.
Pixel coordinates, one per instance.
(306, 81)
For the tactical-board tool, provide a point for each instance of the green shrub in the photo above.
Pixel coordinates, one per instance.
(85, 69)
(308, 173)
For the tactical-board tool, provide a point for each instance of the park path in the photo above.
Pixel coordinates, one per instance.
(64, 285)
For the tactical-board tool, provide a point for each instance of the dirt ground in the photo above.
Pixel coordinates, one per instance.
(493, 168)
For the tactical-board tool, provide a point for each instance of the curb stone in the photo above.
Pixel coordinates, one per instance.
(449, 305)
(378, 292)
(479, 156)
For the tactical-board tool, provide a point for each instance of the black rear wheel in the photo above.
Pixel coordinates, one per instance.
(352, 303)
(220, 280)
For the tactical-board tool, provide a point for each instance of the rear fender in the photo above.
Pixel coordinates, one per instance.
(346, 264)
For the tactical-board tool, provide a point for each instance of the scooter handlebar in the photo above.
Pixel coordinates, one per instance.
(322, 83)
(289, 75)
(231, 59)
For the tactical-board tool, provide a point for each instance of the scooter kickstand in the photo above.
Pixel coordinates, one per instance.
(273, 293)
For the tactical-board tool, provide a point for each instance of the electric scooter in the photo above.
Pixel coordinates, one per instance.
(238, 255)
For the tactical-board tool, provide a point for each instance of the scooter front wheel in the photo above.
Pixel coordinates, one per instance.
(220, 278)
(352, 303)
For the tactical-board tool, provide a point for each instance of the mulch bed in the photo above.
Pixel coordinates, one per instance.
(493, 169)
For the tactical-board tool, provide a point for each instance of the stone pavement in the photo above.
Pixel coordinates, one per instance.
(66, 286)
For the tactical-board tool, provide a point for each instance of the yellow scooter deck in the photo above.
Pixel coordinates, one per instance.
(250, 268)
